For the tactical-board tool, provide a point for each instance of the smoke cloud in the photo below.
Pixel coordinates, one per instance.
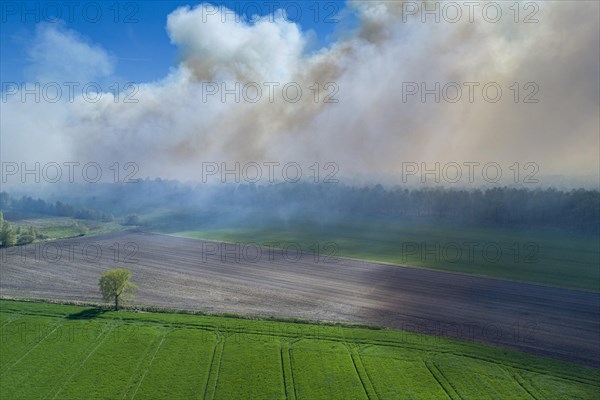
(370, 123)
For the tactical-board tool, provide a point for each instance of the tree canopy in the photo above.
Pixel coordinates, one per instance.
(8, 236)
(115, 286)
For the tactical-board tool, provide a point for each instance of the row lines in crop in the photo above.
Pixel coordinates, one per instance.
(390, 342)
(215, 369)
(104, 334)
(361, 372)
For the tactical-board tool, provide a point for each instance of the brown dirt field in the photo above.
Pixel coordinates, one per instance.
(188, 273)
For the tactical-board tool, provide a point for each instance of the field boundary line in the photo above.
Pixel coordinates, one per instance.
(367, 373)
(368, 385)
(520, 367)
(108, 330)
(215, 369)
(210, 366)
(285, 389)
(292, 368)
(525, 385)
(219, 369)
(139, 367)
(286, 364)
(147, 367)
(14, 318)
(56, 326)
(444, 383)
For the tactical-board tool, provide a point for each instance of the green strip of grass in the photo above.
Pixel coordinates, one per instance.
(63, 227)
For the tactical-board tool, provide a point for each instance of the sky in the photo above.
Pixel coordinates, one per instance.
(373, 88)
(134, 32)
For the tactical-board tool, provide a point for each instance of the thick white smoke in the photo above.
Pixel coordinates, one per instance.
(374, 126)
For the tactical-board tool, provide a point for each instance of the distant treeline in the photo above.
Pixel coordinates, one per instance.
(495, 206)
(28, 205)
(500, 206)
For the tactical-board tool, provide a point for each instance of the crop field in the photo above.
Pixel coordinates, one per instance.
(551, 257)
(67, 352)
(194, 274)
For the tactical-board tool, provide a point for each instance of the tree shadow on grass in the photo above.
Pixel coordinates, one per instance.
(88, 313)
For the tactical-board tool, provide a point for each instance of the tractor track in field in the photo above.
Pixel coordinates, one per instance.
(185, 273)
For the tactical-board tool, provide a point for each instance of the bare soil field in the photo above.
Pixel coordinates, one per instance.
(188, 273)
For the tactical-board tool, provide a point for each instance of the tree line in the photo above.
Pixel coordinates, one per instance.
(10, 236)
(29, 205)
(577, 209)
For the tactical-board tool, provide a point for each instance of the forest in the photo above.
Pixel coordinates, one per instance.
(499, 206)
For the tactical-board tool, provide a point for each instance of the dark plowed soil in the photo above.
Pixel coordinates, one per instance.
(187, 273)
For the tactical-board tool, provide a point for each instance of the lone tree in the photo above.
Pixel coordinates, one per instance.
(115, 285)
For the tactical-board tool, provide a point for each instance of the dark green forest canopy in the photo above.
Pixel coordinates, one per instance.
(500, 206)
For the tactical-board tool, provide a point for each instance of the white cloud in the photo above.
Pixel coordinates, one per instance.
(58, 54)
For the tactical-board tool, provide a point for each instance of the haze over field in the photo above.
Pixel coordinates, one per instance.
(341, 199)
(374, 55)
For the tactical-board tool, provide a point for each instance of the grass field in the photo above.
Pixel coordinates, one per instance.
(540, 256)
(67, 352)
(63, 227)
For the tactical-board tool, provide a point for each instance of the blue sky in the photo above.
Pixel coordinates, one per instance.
(133, 33)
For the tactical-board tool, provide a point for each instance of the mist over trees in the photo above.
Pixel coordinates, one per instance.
(27, 205)
(499, 206)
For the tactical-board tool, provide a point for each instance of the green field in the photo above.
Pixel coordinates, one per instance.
(63, 227)
(66, 352)
(550, 257)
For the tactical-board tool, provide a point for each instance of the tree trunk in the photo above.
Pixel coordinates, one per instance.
(117, 303)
